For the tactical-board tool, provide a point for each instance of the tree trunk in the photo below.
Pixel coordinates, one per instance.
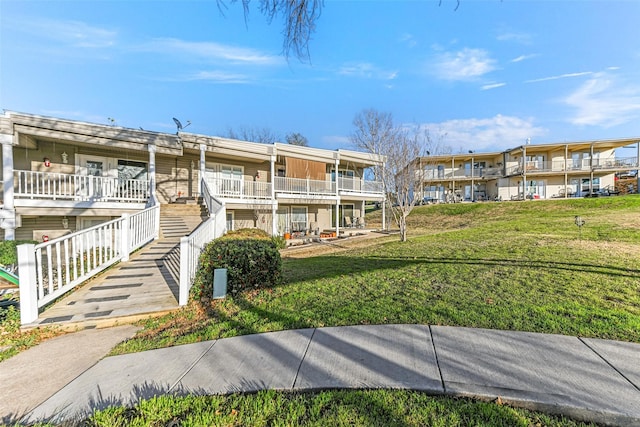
(403, 228)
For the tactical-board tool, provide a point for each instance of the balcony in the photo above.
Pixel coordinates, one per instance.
(30, 185)
(361, 186)
(239, 189)
(305, 187)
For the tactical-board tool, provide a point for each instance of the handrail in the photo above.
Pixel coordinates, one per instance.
(50, 269)
(191, 246)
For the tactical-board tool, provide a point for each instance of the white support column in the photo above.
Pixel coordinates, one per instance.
(591, 169)
(274, 202)
(152, 173)
(9, 224)
(337, 198)
(384, 209)
(362, 211)
(473, 190)
(638, 170)
(28, 283)
(203, 166)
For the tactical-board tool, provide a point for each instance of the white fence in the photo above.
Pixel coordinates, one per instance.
(60, 186)
(48, 270)
(191, 246)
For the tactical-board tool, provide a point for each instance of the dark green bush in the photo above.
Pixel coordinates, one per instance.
(251, 263)
(8, 251)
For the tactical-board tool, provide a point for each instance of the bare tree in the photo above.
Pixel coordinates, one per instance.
(297, 138)
(299, 16)
(252, 134)
(375, 133)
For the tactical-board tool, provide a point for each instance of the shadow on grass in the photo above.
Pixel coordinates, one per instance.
(324, 267)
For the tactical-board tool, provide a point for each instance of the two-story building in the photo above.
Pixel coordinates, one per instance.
(60, 176)
(529, 171)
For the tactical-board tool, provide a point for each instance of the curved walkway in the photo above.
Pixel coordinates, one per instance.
(589, 379)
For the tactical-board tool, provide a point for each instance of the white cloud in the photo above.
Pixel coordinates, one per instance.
(466, 64)
(74, 34)
(492, 86)
(491, 134)
(561, 76)
(211, 51)
(221, 77)
(522, 38)
(524, 57)
(408, 39)
(333, 142)
(366, 70)
(604, 101)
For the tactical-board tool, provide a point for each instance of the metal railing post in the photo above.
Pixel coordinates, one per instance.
(28, 283)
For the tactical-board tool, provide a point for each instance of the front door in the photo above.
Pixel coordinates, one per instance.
(96, 169)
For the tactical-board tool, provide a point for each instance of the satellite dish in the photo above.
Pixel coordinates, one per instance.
(177, 122)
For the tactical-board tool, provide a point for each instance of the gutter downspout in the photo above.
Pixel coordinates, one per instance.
(274, 202)
(337, 163)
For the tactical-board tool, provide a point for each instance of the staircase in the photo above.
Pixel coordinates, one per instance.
(179, 219)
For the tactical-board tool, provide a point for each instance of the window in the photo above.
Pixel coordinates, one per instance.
(229, 223)
(129, 169)
(298, 218)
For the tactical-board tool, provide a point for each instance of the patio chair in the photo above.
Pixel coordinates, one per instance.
(347, 222)
(360, 222)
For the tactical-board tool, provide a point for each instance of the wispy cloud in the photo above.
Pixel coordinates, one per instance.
(408, 39)
(211, 51)
(604, 101)
(492, 86)
(512, 36)
(221, 77)
(466, 64)
(366, 70)
(524, 57)
(561, 76)
(69, 33)
(490, 134)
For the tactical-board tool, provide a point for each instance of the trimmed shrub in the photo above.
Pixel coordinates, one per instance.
(9, 251)
(251, 262)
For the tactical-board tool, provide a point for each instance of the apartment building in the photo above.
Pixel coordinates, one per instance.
(61, 176)
(540, 171)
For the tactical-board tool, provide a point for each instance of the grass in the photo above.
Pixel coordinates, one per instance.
(515, 266)
(326, 408)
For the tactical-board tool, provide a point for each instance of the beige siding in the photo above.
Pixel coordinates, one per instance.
(33, 228)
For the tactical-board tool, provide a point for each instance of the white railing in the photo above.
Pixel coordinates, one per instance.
(60, 186)
(239, 189)
(49, 270)
(304, 186)
(191, 246)
(616, 163)
(358, 185)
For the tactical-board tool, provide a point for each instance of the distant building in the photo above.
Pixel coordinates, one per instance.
(543, 171)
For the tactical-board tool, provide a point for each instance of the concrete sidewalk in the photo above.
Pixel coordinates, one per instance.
(588, 379)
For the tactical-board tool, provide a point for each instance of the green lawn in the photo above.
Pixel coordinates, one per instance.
(513, 265)
(328, 408)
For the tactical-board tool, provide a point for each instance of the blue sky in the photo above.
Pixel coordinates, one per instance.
(488, 75)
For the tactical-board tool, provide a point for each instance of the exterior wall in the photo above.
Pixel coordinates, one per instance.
(33, 228)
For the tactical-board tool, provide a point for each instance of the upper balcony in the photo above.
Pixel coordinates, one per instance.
(296, 188)
(44, 189)
(574, 165)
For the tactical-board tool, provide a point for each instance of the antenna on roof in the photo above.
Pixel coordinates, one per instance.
(179, 125)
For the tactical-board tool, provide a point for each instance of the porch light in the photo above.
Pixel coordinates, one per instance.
(65, 222)
(65, 157)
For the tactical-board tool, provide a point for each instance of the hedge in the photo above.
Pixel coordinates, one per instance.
(251, 258)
